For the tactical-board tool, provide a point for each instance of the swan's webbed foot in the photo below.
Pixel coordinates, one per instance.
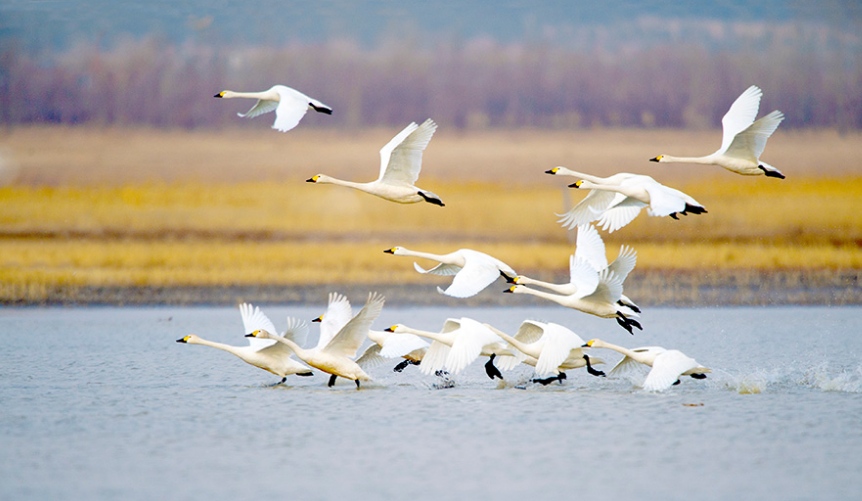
(590, 370)
(673, 216)
(699, 376)
(676, 383)
(627, 323)
(491, 370)
(635, 308)
(770, 173)
(331, 381)
(401, 366)
(695, 209)
(548, 380)
(430, 199)
(305, 374)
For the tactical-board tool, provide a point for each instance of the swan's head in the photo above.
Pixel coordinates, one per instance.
(515, 289)
(589, 344)
(553, 171)
(191, 338)
(318, 319)
(397, 251)
(656, 159)
(577, 184)
(314, 179)
(260, 334)
(395, 328)
(509, 279)
(224, 93)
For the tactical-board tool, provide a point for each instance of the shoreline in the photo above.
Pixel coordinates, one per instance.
(647, 288)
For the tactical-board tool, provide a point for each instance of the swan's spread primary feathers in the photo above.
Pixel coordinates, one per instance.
(473, 270)
(289, 105)
(743, 139)
(400, 164)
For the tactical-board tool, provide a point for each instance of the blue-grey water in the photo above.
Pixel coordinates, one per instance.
(102, 403)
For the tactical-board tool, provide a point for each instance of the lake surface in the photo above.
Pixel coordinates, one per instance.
(102, 403)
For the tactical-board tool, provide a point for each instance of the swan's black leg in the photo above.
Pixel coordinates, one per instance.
(624, 323)
(491, 370)
(771, 173)
(305, 374)
(282, 380)
(699, 376)
(401, 366)
(332, 380)
(673, 215)
(676, 383)
(590, 369)
(357, 384)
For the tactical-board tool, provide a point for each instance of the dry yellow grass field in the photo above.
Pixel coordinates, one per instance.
(142, 208)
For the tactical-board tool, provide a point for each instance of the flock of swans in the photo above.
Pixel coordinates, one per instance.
(595, 286)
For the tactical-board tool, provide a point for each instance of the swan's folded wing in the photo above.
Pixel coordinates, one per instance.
(750, 143)
(440, 269)
(399, 345)
(351, 336)
(338, 313)
(666, 370)
(289, 112)
(371, 357)
(624, 263)
(584, 276)
(589, 209)
(405, 159)
(467, 347)
(435, 358)
(591, 247)
(260, 107)
(253, 319)
(741, 114)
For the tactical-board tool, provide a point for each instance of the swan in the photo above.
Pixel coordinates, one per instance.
(388, 345)
(289, 105)
(473, 270)
(589, 249)
(267, 355)
(667, 365)
(550, 348)
(743, 139)
(400, 163)
(334, 356)
(459, 343)
(623, 200)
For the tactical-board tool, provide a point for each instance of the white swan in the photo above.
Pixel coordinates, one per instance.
(289, 105)
(473, 270)
(267, 355)
(400, 163)
(334, 356)
(388, 345)
(589, 249)
(621, 200)
(459, 343)
(743, 139)
(551, 349)
(667, 365)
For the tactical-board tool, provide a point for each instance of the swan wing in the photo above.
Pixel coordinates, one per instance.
(628, 368)
(351, 336)
(750, 143)
(609, 288)
(587, 210)
(435, 358)
(741, 114)
(624, 263)
(297, 331)
(401, 161)
(620, 214)
(666, 369)
(468, 344)
(583, 276)
(591, 247)
(401, 344)
(559, 345)
(663, 201)
(337, 314)
(288, 114)
(479, 272)
(530, 331)
(253, 319)
(260, 107)
(371, 357)
(441, 269)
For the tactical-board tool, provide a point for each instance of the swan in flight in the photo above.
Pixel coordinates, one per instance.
(460, 343)
(400, 163)
(334, 355)
(289, 105)
(590, 250)
(667, 365)
(551, 349)
(473, 270)
(615, 201)
(387, 345)
(267, 355)
(743, 139)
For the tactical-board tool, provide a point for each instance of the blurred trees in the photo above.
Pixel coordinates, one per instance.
(474, 84)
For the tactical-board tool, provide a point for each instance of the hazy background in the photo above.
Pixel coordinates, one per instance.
(470, 65)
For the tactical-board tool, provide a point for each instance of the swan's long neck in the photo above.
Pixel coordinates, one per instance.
(581, 175)
(221, 346)
(689, 160)
(513, 341)
(558, 288)
(445, 259)
(271, 96)
(546, 295)
(434, 336)
(300, 352)
(638, 357)
(341, 182)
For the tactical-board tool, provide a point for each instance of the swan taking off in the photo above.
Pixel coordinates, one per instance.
(615, 201)
(289, 105)
(388, 345)
(400, 163)
(667, 365)
(334, 355)
(267, 355)
(473, 270)
(743, 139)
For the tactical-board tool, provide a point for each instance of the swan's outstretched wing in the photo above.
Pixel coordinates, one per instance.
(398, 345)
(619, 214)
(288, 113)
(260, 107)
(468, 345)
(435, 358)
(750, 143)
(631, 368)
(583, 276)
(741, 114)
(297, 331)
(624, 263)
(589, 209)
(441, 269)
(666, 370)
(338, 313)
(254, 319)
(559, 344)
(479, 272)
(609, 289)
(351, 336)
(590, 247)
(371, 357)
(401, 158)
(663, 201)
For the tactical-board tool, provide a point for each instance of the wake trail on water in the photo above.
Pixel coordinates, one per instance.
(818, 377)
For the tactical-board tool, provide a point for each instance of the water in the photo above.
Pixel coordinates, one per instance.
(101, 403)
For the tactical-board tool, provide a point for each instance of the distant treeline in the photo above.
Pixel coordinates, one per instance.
(468, 84)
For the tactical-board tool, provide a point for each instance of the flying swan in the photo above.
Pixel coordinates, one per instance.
(667, 365)
(289, 105)
(400, 163)
(267, 355)
(743, 139)
(473, 270)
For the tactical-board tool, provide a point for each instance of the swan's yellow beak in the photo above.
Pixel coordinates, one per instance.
(184, 340)
(253, 334)
(552, 171)
(576, 184)
(511, 289)
(656, 159)
(390, 329)
(318, 319)
(220, 94)
(313, 179)
(390, 251)
(590, 343)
